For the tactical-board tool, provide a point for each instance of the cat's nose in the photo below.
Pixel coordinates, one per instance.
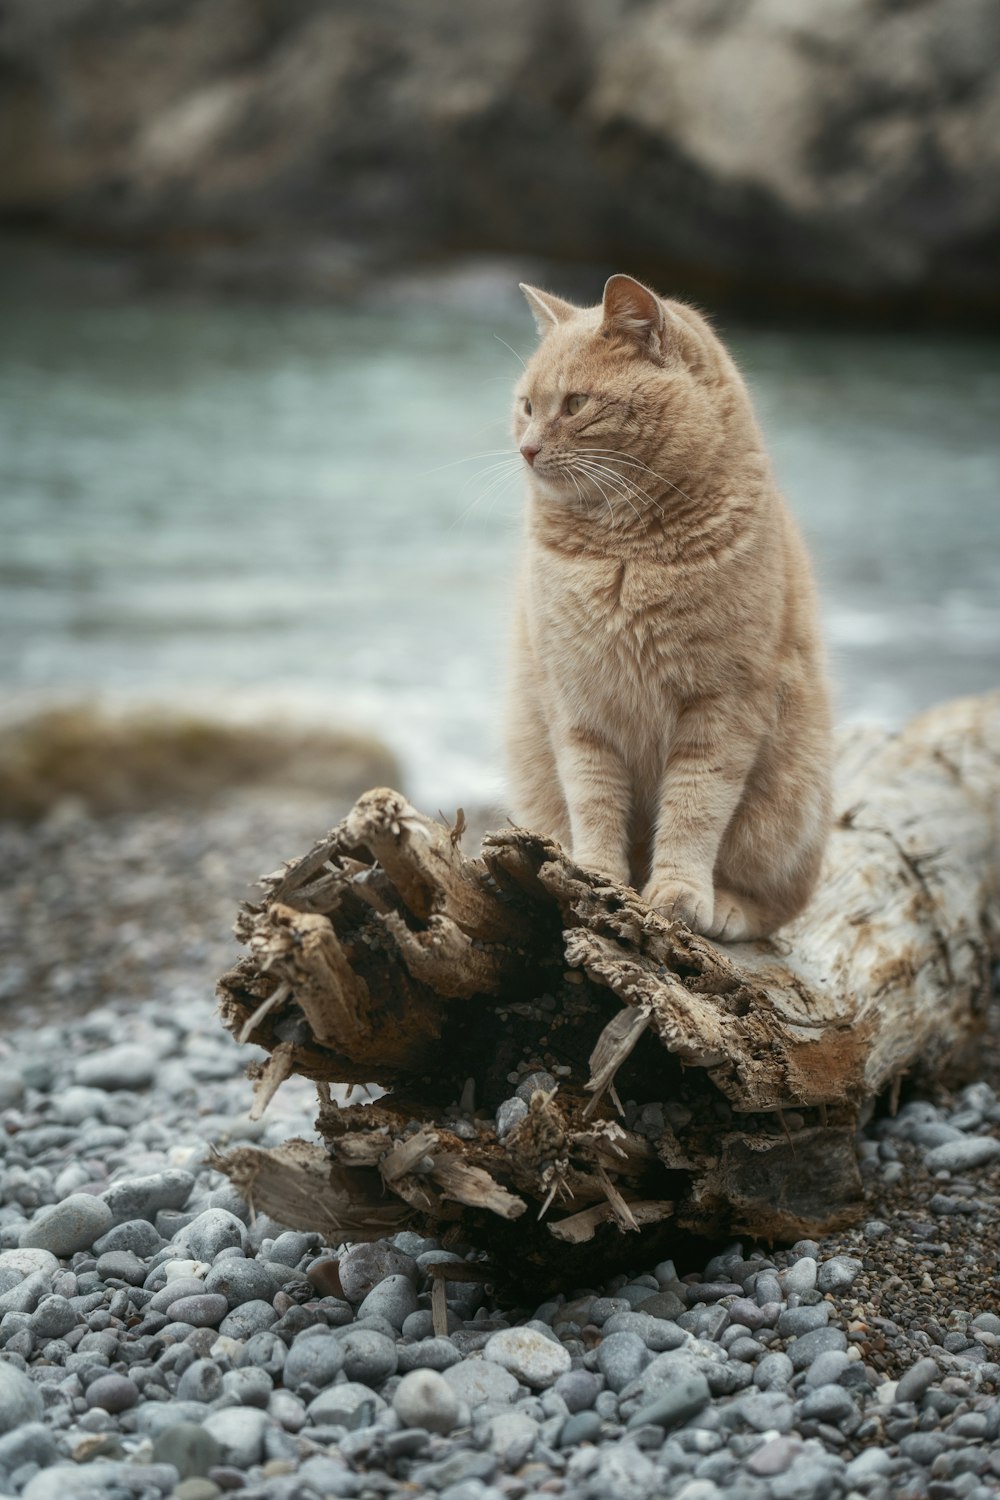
(530, 451)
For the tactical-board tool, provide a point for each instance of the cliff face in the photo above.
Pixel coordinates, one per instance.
(851, 148)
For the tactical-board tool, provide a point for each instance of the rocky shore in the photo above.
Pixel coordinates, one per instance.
(155, 1339)
(755, 151)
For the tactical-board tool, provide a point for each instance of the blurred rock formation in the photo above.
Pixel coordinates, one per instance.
(755, 147)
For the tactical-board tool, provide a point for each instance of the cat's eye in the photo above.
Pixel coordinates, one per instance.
(574, 403)
(527, 407)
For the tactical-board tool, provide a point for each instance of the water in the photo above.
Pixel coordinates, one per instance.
(266, 510)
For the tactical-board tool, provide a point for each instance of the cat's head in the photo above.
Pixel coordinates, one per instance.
(620, 400)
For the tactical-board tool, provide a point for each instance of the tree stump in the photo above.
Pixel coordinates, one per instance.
(669, 1085)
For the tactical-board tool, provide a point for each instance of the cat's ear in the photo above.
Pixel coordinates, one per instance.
(632, 311)
(548, 311)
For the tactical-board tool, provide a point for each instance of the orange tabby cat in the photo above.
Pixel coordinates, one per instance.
(669, 718)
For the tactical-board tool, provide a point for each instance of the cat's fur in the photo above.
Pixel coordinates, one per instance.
(669, 719)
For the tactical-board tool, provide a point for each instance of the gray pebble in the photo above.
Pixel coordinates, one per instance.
(964, 1154)
(826, 1369)
(394, 1299)
(114, 1393)
(74, 1224)
(424, 1399)
(240, 1281)
(530, 1355)
(804, 1350)
(426, 1354)
(658, 1334)
(621, 1358)
(248, 1387)
(30, 1443)
(121, 1265)
(774, 1371)
(662, 1304)
(143, 1197)
(581, 1427)
(480, 1381)
(533, 1083)
(369, 1358)
(798, 1320)
(239, 1432)
(201, 1381)
(247, 1319)
(127, 1066)
(917, 1379)
(205, 1310)
(579, 1390)
(290, 1247)
(363, 1266)
(828, 1403)
(189, 1448)
(338, 1403)
(509, 1113)
(210, 1232)
(20, 1399)
(313, 1362)
(675, 1403)
(53, 1317)
(838, 1273)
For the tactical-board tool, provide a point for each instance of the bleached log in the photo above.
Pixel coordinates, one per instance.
(433, 969)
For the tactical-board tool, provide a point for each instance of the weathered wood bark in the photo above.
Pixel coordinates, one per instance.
(690, 1087)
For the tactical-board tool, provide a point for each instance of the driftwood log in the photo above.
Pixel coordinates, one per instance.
(686, 1087)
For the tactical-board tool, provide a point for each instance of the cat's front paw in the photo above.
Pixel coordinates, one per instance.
(678, 900)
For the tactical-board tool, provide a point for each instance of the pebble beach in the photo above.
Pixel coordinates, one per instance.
(157, 1339)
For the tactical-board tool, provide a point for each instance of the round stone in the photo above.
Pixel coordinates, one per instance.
(621, 1358)
(201, 1381)
(239, 1432)
(247, 1319)
(675, 1403)
(917, 1380)
(579, 1390)
(394, 1299)
(210, 1232)
(240, 1281)
(20, 1400)
(838, 1273)
(804, 1350)
(190, 1449)
(339, 1403)
(479, 1382)
(363, 1266)
(424, 1398)
(74, 1224)
(205, 1310)
(144, 1197)
(426, 1354)
(52, 1318)
(800, 1276)
(529, 1355)
(112, 1393)
(581, 1427)
(960, 1156)
(369, 1357)
(313, 1362)
(127, 1066)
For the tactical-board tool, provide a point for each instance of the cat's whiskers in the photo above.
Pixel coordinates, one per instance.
(595, 481)
(471, 458)
(497, 475)
(615, 455)
(620, 486)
